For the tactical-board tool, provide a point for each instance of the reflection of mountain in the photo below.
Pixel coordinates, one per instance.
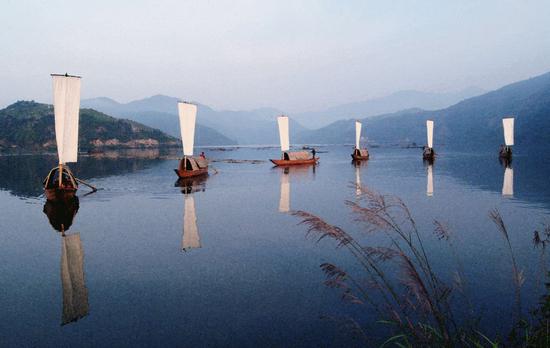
(75, 293)
(23, 175)
(530, 174)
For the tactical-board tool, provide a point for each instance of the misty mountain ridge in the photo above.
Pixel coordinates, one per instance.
(258, 126)
(394, 102)
(474, 123)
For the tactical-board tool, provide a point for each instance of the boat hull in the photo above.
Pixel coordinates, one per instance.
(285, 163)
(182, 174)
(60, 194)
(506, 155)
(359, 158)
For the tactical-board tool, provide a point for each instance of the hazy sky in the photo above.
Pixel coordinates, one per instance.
(292, 55)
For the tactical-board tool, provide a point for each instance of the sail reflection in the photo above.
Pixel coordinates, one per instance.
(284, 201)
(75, 294)
(288, 173)
(508, 182)
(191, 237)
(430, 184)
(358, 185)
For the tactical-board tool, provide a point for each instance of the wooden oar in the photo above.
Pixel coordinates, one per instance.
(85, 183)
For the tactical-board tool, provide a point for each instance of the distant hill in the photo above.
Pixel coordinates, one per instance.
(245, 127)
(392, 103)
(472, 123)
(30, 126)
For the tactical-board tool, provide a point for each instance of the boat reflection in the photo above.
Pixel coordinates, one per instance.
(190, 238)
(61, 213)
(75, 294)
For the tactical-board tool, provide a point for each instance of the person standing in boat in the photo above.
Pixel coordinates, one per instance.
(202, 155)
(313, 152)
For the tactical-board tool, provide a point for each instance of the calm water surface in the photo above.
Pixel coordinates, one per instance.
(243, 272)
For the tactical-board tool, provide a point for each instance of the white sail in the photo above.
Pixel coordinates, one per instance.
(284, 201)
(430, 132)
(75, 294)
(66, 104)
(430, 186)
(283, 133)
(508, 184)
(358, 180)
(191, 238)
(188, 116)
(508, 125)
(357, 134)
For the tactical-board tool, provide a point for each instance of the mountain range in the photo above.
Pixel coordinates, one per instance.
(472, 123)
(259, 126)
(395, 102)
(215, 127)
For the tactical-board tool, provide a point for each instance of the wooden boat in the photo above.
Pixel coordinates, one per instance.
(189, 166)
(429, 153)
(358, 153)
(291, 158)
(506, 149)
(61, 192)
(60, 184)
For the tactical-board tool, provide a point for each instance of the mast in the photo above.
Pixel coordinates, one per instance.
(283, 133)
(357, 134)
(430, 132)
(188, 115)
(66, 101)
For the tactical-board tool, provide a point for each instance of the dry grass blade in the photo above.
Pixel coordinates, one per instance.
(413, 281)
(441, 231)
(324, 229)
(497, 219)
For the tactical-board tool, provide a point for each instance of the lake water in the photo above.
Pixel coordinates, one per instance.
(255, 279)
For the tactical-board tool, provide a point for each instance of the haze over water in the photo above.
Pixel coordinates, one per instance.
(255, 278)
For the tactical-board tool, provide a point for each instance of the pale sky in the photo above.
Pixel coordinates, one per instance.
(292, 55)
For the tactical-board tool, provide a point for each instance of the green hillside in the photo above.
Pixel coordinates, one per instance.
(27, 125)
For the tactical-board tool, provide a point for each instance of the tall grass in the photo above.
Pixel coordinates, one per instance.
(401, 285)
